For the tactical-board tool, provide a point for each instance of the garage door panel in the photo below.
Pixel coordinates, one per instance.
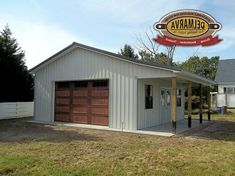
(62, 93)
(99, 120)
(80, 118)
(99, 101)
(100, 110)
(80, 101)
(80, 109)
(62, 101)
(62, 109)
(62, 117)
(80, 93)
(100, 93)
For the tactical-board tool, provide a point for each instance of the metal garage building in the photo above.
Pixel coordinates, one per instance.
(83, 84)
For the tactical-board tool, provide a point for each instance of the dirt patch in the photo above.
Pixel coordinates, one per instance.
(21, 130)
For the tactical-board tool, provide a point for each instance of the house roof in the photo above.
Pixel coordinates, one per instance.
(74, 45)
(225, 72)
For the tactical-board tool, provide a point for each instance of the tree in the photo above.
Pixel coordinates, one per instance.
(205, 67)
(16, 81)
(160, 58)
(202, 66)
(128, 51)
(210, 66)
(149, 49)
(145, 55)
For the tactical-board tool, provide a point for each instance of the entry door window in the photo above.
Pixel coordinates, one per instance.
(148, 96)
(165, 97)
(162, 97)
(179, 97)
(165, 110)
(168, 98)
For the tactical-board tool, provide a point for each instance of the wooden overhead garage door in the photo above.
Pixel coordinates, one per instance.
(82, 102)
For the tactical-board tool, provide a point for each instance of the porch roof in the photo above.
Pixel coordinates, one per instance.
(194, 78)
(182, 77)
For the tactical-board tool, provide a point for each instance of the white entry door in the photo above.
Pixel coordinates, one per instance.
(165, 105)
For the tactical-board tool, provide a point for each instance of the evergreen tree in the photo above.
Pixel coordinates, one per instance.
(128, 51)
(160, 58)
(16, 81)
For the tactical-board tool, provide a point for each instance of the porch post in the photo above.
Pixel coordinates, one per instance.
(189, 104)
(173, 105)
(209, 103)
(200, 111)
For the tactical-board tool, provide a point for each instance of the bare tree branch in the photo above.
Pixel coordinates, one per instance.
(151, 47)
(170, 53)
(148, 44)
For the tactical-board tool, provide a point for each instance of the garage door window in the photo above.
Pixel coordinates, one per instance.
(81, 84)
(100, 84)
(62, 85)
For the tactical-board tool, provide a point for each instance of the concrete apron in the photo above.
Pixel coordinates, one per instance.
(159, 130)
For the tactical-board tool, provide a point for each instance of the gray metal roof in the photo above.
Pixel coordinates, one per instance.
(79, 45)
(226, 71)
(144, 63)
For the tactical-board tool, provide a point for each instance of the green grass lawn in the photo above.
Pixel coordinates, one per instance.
(214, 116)
(37, 149)
(229, 116)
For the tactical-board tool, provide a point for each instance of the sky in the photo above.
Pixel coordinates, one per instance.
(43, 27)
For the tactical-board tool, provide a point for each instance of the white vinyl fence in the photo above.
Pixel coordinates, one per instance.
(16, 110)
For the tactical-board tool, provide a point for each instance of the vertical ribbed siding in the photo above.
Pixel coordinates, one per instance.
(82, 65)
(152, 117)
(148, 117)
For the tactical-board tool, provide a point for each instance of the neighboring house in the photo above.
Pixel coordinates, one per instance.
(225, 78)
(83, 84)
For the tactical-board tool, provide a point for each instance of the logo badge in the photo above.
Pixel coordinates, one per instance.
(187, 28)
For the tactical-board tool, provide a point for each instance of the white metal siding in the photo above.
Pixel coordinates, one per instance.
(148, 117)
(151, 117)
(81, 64)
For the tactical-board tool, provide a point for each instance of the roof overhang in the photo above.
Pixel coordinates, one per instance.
(195, 78)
